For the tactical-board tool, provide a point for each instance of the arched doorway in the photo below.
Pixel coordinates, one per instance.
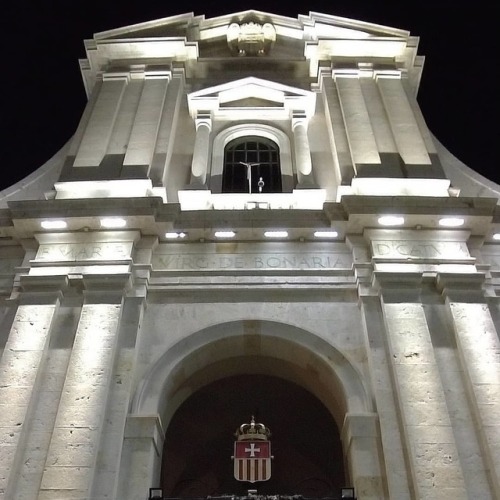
(238, 348)
(306, 445)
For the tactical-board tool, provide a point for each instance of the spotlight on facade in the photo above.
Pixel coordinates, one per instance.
(224, 234)
(174, 236)
(326, 234)
(113, 222)
(54, 224)
(451, 222)
(391, 220)
(276, 234)
(347, 493)
(155, 494)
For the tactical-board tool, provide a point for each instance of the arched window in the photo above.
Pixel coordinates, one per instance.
(251, 165)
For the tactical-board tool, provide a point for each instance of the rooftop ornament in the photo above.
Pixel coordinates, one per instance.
(251, 39)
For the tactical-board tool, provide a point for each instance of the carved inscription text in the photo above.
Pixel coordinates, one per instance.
(398, 249)
(73, 252)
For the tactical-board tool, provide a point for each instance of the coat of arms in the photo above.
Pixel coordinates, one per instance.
(252, 453)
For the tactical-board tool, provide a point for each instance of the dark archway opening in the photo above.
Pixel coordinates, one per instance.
(199, 441)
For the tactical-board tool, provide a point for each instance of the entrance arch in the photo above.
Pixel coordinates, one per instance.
(305, 441)
(261, 347)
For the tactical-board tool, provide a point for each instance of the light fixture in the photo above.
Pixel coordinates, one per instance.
(174, 236)
(113, 222)
(451, 221)
(276, 234)
(391, 220)
(325, 234)
(496, 236)
(347, 493)
(54, 224)
(250, 205)
(224, 234)
(155, 494)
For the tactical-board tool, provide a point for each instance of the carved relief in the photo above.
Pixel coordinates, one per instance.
(251, 39)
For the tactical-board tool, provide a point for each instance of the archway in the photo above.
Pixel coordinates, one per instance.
(257, 347)
(306, 445)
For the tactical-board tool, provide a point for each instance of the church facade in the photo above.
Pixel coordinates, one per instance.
(251, 219)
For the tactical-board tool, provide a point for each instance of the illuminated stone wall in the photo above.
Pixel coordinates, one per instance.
(119, 303)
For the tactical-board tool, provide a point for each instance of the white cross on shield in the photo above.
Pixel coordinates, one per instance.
(252, 461)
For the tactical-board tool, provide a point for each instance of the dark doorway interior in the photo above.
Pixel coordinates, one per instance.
(199, 441)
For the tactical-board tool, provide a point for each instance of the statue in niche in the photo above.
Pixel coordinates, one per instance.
(251, 39)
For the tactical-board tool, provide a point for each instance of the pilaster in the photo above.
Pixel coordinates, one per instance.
(359, 438)
(432, 454)
(20, 373)
(405, 129)
(98, 131)
(391, 435)
(142, 139)
(72, 454)
(478, 347)
(141, 458)
(106, 479)
(358, 126)
(336, 130)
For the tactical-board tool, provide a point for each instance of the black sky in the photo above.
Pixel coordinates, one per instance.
(43, 94)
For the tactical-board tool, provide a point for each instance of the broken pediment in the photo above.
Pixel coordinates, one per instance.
(201, 44)
(254, 30)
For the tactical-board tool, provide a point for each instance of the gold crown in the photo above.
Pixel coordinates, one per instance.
(252, 431)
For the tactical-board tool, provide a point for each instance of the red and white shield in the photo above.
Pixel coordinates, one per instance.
(252, 461)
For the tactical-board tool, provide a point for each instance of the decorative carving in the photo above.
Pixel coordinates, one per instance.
(251, 39)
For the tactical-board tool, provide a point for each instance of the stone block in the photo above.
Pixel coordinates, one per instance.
(12, 415)
(417, 413)
(71, 455)
(73, 436)
(7, 453)
(422, 434)
(19, 367)
(10, 436)
(81, 395)
(84, 415)
(15, 394)
(66, 478)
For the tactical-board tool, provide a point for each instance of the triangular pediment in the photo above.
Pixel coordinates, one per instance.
(251, 93)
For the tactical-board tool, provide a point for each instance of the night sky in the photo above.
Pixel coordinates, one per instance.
(43, 95)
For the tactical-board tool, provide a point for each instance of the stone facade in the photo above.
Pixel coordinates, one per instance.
(120, 304)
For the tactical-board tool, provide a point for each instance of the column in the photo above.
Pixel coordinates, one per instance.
(201, 151)
(72, 455)
(359, 439)
(432, 454)
(405, 129)
(20, 368)
(303, 160)
(96, 136)
(478, 347)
